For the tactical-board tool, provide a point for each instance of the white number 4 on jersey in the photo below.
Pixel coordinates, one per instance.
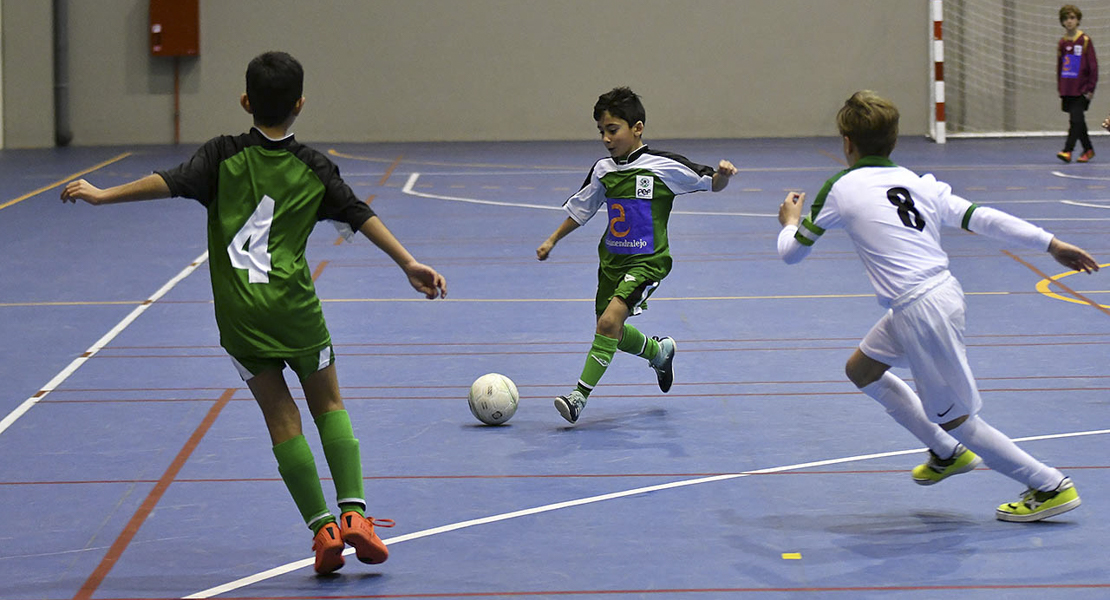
(249, 249)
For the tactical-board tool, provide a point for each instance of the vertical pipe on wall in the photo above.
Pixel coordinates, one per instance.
(1009, 65)
(1, 74)
(63, 134)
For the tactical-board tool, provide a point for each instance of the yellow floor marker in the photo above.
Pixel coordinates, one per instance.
(792, 556)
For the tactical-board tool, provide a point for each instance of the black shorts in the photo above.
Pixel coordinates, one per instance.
(1066, 103)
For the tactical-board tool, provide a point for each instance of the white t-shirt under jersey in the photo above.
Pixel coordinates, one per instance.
(894, 217)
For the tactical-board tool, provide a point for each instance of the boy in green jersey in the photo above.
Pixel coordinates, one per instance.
(264, 192)
(638, 185)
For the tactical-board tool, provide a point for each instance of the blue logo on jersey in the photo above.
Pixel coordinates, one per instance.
(630, 227)
(1069, 68)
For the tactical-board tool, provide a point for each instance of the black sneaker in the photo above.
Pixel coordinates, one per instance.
(571, 405)
(663, 363)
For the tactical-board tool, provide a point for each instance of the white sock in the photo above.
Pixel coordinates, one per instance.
(1003, 455)
(902, 403)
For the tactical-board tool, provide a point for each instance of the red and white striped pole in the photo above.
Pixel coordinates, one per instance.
(936, 77)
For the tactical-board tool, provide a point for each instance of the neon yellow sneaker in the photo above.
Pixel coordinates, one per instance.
(936, 469)
(1035, 505)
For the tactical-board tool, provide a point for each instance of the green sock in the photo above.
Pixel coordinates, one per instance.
(601, 354)
(341, 452)
(297, 467)
(634, 342)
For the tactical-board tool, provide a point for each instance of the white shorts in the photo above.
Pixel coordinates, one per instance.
(924, 330)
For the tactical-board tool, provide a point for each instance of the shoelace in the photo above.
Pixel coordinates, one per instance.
(387, 523)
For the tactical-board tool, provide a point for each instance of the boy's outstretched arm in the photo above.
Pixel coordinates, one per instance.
(725, 169)
(1072, 257)
(423, 278)
(150, 187)
(564, 228)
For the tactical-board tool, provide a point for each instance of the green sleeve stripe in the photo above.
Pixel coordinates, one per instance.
(810, 225)
(807, 233)
(967, 216)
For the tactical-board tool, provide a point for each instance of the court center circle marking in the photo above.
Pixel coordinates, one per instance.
(300, 564)
(1043, 287)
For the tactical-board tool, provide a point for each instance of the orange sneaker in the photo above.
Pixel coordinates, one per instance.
(358, 531)
(328, 546)
(1086, 156)
(1064, 156)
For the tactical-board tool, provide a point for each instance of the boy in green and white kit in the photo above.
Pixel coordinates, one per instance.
(264, 192)
(638, 185)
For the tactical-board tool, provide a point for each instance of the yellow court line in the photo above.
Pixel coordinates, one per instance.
(1043, 287)
(653, 298)
(66, 180)
(503, 300)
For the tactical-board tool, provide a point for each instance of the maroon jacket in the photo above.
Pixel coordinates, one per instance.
(1076, 66)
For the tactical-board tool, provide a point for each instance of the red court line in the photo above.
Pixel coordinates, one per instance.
(801, 348)
(561, 385)
(1058, 284)
(516, 476)
(319, 269)
(389, 171)
(637, 398)
(385, 178)
(581, 342)
(116, 550)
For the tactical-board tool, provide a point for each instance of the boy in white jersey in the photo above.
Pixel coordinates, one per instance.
(893, 218)
(638, 185)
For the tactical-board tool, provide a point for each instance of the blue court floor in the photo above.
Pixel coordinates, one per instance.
(134, 463)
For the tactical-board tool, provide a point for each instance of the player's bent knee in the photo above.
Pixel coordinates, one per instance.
(862, 370)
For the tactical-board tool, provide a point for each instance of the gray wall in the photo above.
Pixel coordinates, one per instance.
(405, 70)
(28, 74)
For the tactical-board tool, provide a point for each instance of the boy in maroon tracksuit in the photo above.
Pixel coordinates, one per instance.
(1076, 78)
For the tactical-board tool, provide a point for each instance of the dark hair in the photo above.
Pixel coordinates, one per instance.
(275, 81)
(622, 103)
(870, 122)
(1070, 9)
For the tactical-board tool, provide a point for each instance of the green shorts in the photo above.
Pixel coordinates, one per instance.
(303, 365)
(633, 286)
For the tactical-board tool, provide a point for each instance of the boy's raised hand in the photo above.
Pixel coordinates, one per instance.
(1072, 257)
(726, 168)
(81, 190)
(790, 211)
(426, 280)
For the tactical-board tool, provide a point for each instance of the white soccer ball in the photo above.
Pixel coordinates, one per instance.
(493, 398)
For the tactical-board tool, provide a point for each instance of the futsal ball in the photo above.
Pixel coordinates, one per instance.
(493, 398)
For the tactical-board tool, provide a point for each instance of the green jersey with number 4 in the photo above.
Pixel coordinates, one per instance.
(264, 197)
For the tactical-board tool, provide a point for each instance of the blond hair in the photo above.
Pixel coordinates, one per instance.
(870, 122)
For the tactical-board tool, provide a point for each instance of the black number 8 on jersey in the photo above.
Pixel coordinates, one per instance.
(900, 197)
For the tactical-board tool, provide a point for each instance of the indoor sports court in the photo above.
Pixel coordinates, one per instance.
(141, 467)
(135, 463)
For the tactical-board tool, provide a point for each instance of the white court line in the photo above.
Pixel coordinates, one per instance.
(103, 341)
(293, 566)
(1083, 177)
(414, 176)
(1087, 204)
